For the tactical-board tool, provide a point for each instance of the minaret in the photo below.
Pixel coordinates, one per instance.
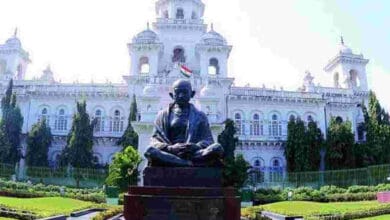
(348, 70)
(13, 59)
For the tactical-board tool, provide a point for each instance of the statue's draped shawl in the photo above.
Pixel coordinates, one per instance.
(198, 129)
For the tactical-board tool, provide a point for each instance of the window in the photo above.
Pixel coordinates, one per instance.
(276, 163)
(336, 79)
(61, 123)
(180, 13)
(239, 124)
(3, 66)
(292, 118)
(116, 124)
(339, 120)
(354, 78)
(275, 128)
(256, 126)
(310, 118)
(213, 66)
(99, 126)
(166, 14)
(178, 55)
(194, 16)
(20, 71)
(44, 116)
(257, 163)
(144, 67)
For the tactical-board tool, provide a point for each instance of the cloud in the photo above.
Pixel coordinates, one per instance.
(379, 81)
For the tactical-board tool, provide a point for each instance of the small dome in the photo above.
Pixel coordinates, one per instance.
(345, 49)
(150, 90)
(146, 37)
(213, 38)
(14, 41)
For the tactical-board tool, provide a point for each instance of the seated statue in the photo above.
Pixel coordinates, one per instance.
(182, 136)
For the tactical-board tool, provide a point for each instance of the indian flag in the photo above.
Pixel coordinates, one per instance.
(185, 71)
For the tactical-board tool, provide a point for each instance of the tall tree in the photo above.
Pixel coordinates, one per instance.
(289, 151)
(315, 142)
(301, 148)
(11, 125)
(227, 139)
(78, 152)
(340, 144)
(130, 137)
(38, 142)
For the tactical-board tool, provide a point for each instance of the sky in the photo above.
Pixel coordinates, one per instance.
(274, 42)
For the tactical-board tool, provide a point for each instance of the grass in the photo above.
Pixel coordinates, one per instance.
(300, 208)
(48, 206)
(382, 217)
(2, 218)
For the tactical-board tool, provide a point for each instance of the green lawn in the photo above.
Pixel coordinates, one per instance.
(48, 206)
(382, 217)
(300, 208)
(2, 218)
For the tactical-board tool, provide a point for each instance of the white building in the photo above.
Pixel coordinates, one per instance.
(180, 36)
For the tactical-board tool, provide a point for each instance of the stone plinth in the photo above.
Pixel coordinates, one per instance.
(183, 177)
(188, 194)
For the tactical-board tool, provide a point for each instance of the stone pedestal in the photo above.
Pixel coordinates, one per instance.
(182, 194)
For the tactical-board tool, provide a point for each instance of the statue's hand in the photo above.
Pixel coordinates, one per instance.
(178, 148)
(193, 147)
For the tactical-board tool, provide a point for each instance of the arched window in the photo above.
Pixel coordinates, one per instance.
(336, 80)
(44, 115)
(194, 16)
(275, 128)
(61, 123)
(116, 124)
(310, 118)
(238, 122)
(166, 14)
(257, 163)
(3, 66)
(148, 108)
(276, 163)
(339, 120)
(178, 55)
(292, 118)
(354, 78)
(256, 126)
(144, 67)
(19, 71)
(179, 13)
(213, 66)
(99, 126)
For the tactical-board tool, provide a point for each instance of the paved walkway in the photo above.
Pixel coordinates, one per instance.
(84, 217)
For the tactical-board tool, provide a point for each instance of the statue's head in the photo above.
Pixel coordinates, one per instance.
(182, 92)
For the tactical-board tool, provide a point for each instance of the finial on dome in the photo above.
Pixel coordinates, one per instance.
(16, 32)
(212, 27)
(148, 26)
(342, 40)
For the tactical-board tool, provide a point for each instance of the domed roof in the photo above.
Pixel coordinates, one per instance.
(146, 37)
(14, 40)
(213, 38)
(344, 48)
(150, 90)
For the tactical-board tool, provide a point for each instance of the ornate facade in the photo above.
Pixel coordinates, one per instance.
(179, 37)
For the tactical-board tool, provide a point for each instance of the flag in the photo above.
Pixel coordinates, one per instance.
(185, 71)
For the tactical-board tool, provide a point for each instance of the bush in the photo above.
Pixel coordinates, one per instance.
(16, 214)
(111, 212)
(25, 190)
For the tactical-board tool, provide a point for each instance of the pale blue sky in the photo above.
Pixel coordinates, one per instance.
(274, 42)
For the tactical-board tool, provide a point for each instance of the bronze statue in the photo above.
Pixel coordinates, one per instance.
(182, 136)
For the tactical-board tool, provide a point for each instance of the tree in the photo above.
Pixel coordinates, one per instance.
(10, 126)
(235, 170)
(315, 141)
(124, 169)
(38, 142)
(289, 152)
(78, 152)
(228, 140)
(340, 145)
(130, 137)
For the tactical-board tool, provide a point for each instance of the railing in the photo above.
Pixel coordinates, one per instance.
(249, 91)
(179, 21)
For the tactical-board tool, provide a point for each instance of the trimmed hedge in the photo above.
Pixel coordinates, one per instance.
(25, 190)
(16, 214)
(109, 213)
(324, 194)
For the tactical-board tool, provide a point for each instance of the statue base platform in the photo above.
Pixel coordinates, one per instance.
(181, 200)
